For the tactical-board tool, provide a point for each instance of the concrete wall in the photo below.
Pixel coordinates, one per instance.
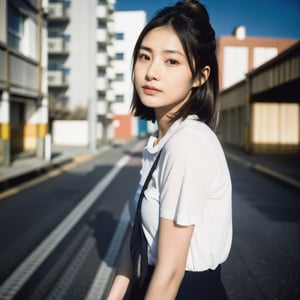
(74, 133)
(70, 133)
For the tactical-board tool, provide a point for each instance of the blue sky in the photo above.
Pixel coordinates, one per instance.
(263, 18)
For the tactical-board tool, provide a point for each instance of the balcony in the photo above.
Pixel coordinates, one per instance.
(111, 51)
(110, 95)
(102, 11)
(111, 6)
(111, 27)
(22, 74)
(101, 84)
(2, 67)
(112, 2)
(110, 73)
(57, 79)
(58, 46)
(58, 13)
(102, 59)
(101, 107)
(102, 35)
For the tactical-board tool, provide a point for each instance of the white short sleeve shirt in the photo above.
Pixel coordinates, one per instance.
(191, 185)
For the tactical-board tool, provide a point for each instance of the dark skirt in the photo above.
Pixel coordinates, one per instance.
(206, 285)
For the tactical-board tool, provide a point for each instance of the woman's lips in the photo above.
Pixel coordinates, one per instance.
(150, 90)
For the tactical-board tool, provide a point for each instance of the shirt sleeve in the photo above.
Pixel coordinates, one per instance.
(187, 168)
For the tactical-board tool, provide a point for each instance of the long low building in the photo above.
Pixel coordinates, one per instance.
(23, 83)
(262, 112)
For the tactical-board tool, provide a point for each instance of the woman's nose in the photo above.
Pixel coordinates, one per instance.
(153, 72)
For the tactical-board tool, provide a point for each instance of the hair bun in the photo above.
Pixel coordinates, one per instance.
(195, 6)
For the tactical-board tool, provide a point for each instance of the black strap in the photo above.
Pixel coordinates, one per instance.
(138, 243)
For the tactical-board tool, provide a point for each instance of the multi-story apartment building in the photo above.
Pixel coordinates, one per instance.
(23, 82)
(80, 69)
(128, 25)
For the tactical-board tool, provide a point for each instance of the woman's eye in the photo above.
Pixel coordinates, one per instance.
(172, 62)
(143, 57)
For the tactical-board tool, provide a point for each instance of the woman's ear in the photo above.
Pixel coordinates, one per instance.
(203, 77)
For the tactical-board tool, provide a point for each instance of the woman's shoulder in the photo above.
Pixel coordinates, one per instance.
(192, 133)
(191, 139)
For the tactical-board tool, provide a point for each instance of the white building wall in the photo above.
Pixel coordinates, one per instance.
(82, 58)
(70, 133)
(130, 24)
(263, 54)
(235, 65)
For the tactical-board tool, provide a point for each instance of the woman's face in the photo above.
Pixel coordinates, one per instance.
(162, 76)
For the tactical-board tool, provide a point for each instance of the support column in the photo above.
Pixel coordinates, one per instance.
(247, 127)
(42, 147)
(4, 129)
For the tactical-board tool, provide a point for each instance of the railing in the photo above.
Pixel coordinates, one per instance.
(102, 35)
(57, 45)
(101, 84)
(102, 59)
(58, 11)
(57, 79)
(22, 73)
(102, 11)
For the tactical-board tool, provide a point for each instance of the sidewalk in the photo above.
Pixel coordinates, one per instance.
(284, 168)
(23, 169)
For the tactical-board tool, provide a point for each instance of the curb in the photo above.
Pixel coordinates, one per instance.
(16, 179)
(26, 175)
(277, 175)
(265, 170)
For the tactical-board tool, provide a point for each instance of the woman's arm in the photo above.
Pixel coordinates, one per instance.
(173, 246)
(123, 273)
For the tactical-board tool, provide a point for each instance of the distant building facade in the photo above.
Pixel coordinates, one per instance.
(128, 25)
(80, 70)
(259, 95)
(23, 81)
(238, 54)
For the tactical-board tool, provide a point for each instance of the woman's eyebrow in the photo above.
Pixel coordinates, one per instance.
(166, 51)
(146, 48)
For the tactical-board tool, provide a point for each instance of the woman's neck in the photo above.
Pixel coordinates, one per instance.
(163, 124)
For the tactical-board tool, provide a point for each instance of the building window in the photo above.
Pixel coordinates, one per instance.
(52, 67)
(101, 24)
(119, 36)
(101, 96)
(101, 72)
(67, 38)
(119, 77)
(120, 98)
(66, 71)
(67, 3)
(15, 27)
(22, 30)
(119, 56)
(101, 48)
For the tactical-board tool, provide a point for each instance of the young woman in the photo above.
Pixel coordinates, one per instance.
(184, 217)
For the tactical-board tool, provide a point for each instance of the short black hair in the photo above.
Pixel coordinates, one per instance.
(190, 21)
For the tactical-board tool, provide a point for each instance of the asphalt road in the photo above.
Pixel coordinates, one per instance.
(263, 263)
(30, 216)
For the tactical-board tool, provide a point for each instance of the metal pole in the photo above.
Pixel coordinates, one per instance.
(92, 88)
(92, 124)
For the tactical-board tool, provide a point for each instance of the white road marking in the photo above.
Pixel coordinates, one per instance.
(25, 270)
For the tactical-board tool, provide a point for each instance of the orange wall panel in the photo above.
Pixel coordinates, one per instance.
(122, 126)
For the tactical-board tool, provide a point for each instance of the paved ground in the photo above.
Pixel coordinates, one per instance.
(284, 168)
